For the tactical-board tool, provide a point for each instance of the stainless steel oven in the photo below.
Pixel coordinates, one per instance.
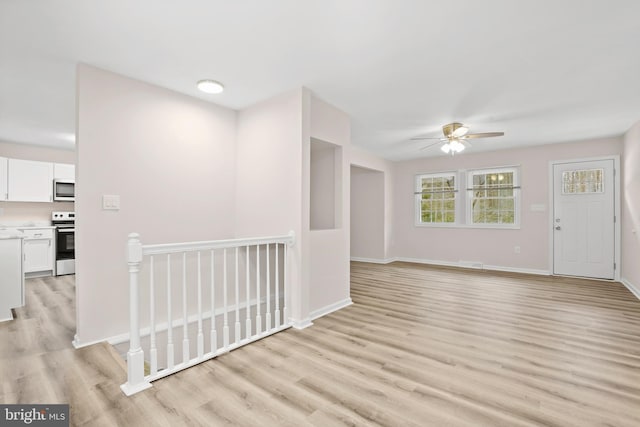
(65, 242)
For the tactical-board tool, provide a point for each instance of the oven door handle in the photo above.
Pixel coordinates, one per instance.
(66, 230)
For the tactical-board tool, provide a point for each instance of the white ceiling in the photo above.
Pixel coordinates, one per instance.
(541, 71)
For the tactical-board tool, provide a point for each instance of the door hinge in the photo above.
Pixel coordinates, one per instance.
(614, 219)
(614, 265)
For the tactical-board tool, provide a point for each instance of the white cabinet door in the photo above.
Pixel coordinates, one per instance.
(38, 255)
(12, 283)
(30, 181)
(3, 178)
(64, 171)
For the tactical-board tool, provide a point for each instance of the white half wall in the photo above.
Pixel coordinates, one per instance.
(170, 158)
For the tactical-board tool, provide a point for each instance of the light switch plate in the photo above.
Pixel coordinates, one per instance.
(110, 202)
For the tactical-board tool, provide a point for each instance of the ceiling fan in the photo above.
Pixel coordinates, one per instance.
(455, 137)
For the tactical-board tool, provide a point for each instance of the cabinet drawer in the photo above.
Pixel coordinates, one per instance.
(44, 233)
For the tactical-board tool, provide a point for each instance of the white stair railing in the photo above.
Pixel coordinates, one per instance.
(271, 282)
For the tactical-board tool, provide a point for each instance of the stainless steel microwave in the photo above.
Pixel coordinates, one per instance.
(64, 190)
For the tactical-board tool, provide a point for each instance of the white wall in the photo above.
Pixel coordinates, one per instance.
(367, 214)
(366, 160)
(189, 170)
(14, 212)
(170, 158)
(631, 208)
(326, 257)
(494, 247)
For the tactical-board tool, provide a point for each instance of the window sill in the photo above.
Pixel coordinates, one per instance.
(475, 226)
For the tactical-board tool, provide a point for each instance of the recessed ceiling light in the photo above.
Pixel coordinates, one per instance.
(210, 86)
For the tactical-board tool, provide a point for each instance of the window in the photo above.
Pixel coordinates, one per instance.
(436, 198)
(492, 197)
(583, 181)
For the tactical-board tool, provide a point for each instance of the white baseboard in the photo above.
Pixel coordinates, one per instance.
(77, 344)
(301, 324)
(178, 322)
(330, 308)
(518, 270)
(635, 290)
(475, 266)
(373, 260)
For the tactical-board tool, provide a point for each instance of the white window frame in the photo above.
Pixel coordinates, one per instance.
(418, 199)
(516, 196)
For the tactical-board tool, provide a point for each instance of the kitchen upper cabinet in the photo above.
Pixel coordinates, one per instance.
(3, 178)
(64, 171)
(30, 181)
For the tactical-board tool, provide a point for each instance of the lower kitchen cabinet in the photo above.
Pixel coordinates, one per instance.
(39, 253)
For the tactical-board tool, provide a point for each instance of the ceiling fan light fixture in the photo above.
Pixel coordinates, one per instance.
(210, 86)
(452, 146)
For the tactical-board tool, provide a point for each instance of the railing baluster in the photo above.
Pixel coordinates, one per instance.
(277, 314)
(200, 333)
(268, 314)
(237, 288)
(153, 352)
(285, 308)
(248, 308)
(170, 362)
(185, 319)
(258, 316)
(225, 328)
(214, 332)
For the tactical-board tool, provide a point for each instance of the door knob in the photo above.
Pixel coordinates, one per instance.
(557, 227)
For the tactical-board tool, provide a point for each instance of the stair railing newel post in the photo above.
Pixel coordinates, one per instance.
(135, 356)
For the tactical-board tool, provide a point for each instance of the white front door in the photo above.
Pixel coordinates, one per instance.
(583, 219)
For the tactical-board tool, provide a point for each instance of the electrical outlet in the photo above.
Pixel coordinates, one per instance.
(516, 249)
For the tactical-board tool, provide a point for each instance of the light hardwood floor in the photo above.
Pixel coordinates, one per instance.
(420, 346)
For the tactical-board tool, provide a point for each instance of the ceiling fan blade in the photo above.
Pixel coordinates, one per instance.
(429, 146)
(420, 138)
(482, 135)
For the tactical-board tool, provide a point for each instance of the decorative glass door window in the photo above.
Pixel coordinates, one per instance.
(583, 181)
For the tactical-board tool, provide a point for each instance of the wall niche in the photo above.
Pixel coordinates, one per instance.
(326, 185)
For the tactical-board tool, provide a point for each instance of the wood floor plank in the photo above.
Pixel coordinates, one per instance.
(421, 345)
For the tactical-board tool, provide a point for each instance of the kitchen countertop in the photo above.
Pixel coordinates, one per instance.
(26, 224)
(10, 233)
